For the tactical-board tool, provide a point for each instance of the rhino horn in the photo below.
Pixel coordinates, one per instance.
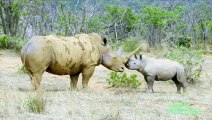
(127, 56)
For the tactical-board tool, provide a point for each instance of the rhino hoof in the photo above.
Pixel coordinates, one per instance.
(149, 91)
(73, 89)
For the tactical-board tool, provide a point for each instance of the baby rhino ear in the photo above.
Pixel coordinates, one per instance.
(140, 56)
(135, 56)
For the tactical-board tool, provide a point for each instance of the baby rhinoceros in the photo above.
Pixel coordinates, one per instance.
(159, 70)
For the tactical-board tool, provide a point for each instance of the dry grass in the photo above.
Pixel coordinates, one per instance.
(100, 102)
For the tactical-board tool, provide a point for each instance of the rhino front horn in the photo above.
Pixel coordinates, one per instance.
(128, 55)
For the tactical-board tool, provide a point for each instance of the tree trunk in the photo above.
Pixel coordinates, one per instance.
(195, 38)
(2, 18)
(205, 38)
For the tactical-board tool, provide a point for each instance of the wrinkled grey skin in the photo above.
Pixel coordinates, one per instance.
(159, 70)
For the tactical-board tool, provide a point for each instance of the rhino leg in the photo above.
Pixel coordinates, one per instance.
(150, 81)
(86, 75)
(73, 81)
(184, 85)
(178, 85)
(36, 79)
(182, 79)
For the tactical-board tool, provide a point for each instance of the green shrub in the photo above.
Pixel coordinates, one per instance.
(122, 80)
(184, 42)
(22, 70)
(4, 41)
(33, 104)
(191, 59)
(11, 42)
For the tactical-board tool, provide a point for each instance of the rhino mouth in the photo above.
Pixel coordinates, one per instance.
(121, 69)
(127, 66)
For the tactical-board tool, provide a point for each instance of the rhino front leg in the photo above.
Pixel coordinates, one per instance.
(150, 81)
(86, 75)
(73, 81)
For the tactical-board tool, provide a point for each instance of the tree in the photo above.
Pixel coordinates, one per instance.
(10, 14)
(157, 20)
(120, 21)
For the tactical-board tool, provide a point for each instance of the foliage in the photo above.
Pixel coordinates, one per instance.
(95, 25)
(158, 20)
(191, 59)
(34, 104)
(155, 21)
(130, 45)
(10, 15)
(184, 42)
(11, 42)
(121, 21)
(4, 41)
(122, 80)
(22, 70)
(153, 15)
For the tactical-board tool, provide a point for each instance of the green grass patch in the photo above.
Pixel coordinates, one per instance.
(34, 104)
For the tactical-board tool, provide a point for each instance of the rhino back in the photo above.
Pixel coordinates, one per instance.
(71, 54)
(164, 69)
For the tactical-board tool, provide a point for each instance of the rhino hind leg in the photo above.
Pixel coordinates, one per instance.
(73, 81)
(178, 84)
(36, 79)
(181, 79)
(150, 81)
(86, 75)
(184, 85)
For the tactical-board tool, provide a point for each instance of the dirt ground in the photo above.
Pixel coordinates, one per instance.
(100, 101)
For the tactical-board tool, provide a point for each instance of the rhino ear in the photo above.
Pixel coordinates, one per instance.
(140, 56)
(120, 51)
(104, 41)
(135, 56)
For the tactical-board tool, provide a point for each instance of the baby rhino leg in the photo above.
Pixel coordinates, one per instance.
(150, 82)
(178, 84)
(181, 78)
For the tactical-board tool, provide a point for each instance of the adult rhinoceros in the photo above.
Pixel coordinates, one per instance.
(69, 56)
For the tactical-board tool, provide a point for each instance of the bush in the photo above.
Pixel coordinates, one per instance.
(34, 104)
(191, 59)
(11, 42)
(184, 42)
(122, 80)
(22, 70)
(4, 41)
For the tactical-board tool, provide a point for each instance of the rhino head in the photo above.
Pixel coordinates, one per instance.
(116, 60)
(110, 59)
